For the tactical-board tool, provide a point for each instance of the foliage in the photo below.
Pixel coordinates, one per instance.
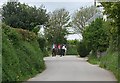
(82, 49)
(112, 10)
(36, 29)
(72, 47)
(72, 42)
(82, 16)
(21, 58)
(56, 31)
(19, 15)
(0, 53)
(96, 37)
(110, 62)
(42, 44)
(93, 59)
(71, 50)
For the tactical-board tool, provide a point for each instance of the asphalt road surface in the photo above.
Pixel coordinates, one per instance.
(72, 68)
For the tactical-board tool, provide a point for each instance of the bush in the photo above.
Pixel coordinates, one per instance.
(72, 50)
(82, 49)
(21, 56)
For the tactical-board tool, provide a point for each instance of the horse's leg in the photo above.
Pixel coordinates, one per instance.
(55, 52)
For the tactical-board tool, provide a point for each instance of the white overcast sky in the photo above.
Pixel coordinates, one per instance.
(51, 5)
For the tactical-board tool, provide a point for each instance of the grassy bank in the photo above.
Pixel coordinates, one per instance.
(93, 60)
(21, 55)
(108, 61)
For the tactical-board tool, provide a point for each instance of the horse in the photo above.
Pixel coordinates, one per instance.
(54, 52)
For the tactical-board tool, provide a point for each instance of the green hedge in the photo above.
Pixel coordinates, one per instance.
(21, 55)
(72, 50)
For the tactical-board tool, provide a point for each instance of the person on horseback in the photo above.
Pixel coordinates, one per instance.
(54, 50)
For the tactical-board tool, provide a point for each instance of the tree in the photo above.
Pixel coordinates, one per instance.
(112, 10)
(56, 29)
(19, 15)
(82, 16)
(96, 37)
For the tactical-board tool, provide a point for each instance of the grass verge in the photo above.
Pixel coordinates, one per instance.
(108, 61)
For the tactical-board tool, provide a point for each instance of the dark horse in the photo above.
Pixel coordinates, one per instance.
(54, 51)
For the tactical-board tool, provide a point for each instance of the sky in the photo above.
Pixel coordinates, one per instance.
(70, 6)
(51, 5)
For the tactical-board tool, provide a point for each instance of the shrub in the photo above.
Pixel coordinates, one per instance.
(82, 49)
